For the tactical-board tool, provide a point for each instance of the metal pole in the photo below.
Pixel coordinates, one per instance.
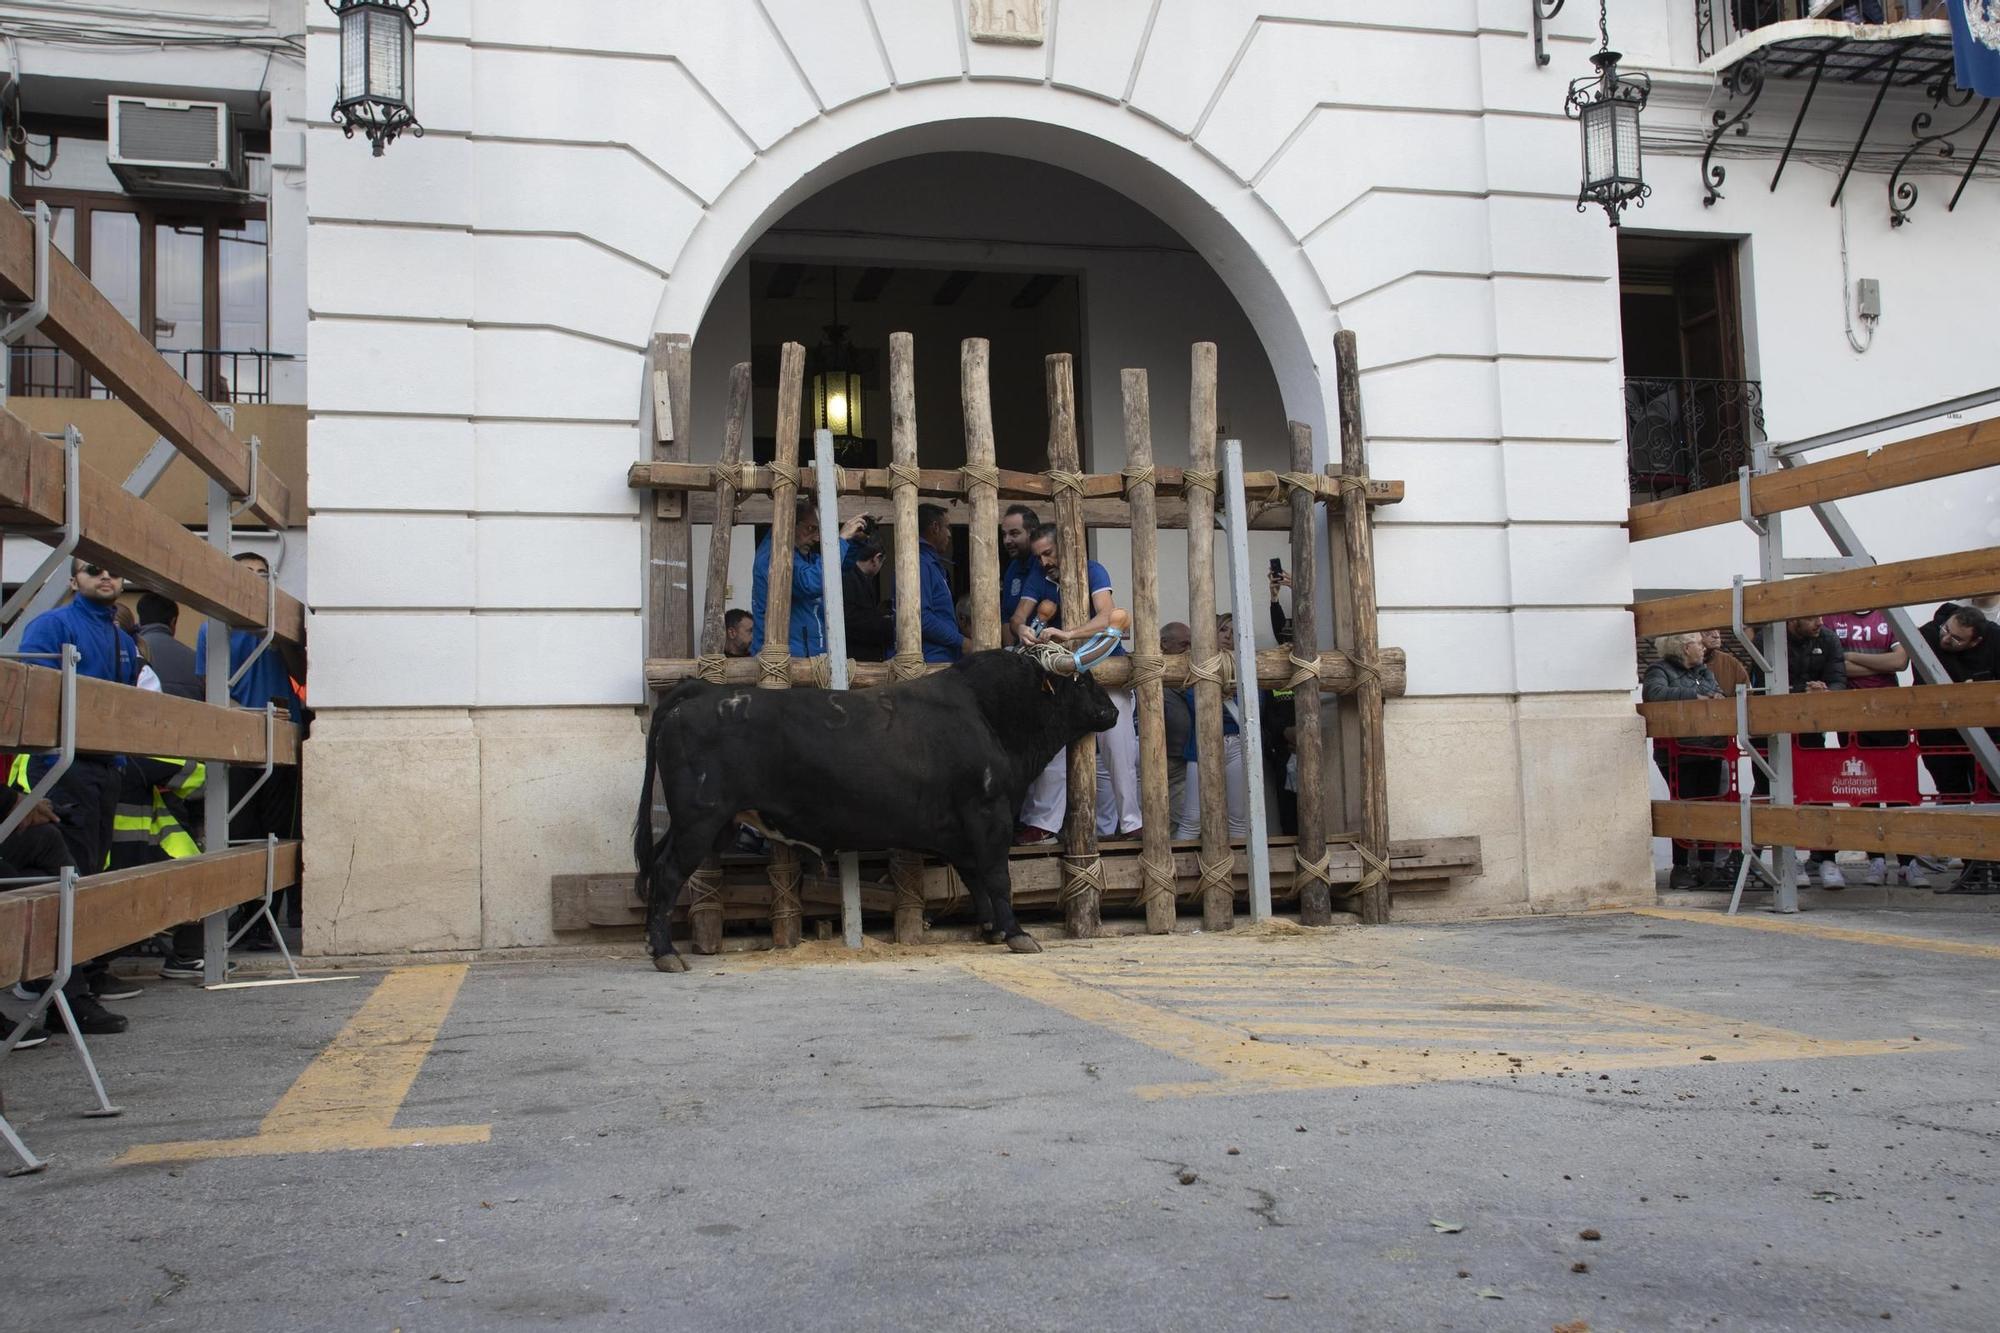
(834, 599)
(215, 817)
(1236, 520)
(1915, 416)
(1771, 568)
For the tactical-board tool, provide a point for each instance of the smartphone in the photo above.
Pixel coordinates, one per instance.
(1277, 566)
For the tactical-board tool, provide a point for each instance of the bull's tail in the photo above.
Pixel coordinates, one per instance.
(646, 848)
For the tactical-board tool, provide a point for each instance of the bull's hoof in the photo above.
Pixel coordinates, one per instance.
(1023, 943)
(670, 962)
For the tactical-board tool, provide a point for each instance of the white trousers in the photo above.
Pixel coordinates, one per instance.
(1118, 807)
(1187, 824)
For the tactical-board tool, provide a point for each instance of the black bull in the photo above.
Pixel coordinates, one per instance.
(936, 765)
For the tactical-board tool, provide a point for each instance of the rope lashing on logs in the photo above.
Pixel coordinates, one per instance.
(783, 474)
(979, 474)
(785, 876)
(907, 874)
(733, 474)
(704, 887)
(1199, 479)
(776, 668)
(1156, 881)
(959, 895)
(904, 474)
(1321, 870)
(1304, 671)
(1301, 481)
(1062, 479)
(1217, 670)
(1148, 668)
(822, 671)
(1137, 476)
(1217, 874)
(1364, 668)
(709, 667)
(1081, 875)
(906, 666)
(1377, 872)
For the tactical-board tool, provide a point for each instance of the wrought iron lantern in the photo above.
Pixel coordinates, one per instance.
(836, 381)
(377, 90)
(1606, 107)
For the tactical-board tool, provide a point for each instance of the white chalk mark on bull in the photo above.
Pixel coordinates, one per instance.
(733, 706)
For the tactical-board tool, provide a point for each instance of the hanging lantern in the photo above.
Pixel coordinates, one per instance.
(377, 90)
(836, 381)
(1606, 107)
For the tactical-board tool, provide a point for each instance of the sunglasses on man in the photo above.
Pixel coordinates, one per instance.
(95, 572)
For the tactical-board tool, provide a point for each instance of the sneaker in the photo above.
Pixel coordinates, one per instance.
(91, 1017)
(1877, 872)
(1028, 835)
(105, 986)
(1683, 878)
(1830, 876)
(1915, 877)
(187, 969)
(32, 1037)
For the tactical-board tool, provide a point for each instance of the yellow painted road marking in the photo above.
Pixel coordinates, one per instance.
(1292, 1028)
(1845, 934)
(348, 1096)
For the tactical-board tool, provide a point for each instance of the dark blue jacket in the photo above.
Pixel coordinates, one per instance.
(264, 681)
(942, 640)
(808, 625)
(105, 652)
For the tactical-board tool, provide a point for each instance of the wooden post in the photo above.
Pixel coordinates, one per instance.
(704, 900)
(1082, 871)
(1366, 647)
(909, 660)
(1156, 862)
(776, 654)
(1309, 870)
(1218, 862)
(982, 488)
(671, 631)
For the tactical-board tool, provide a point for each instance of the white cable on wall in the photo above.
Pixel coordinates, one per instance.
(1847, 293)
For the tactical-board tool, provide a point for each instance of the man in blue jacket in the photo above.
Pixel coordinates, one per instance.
(808, 622)
(85, 798)
(943, 641)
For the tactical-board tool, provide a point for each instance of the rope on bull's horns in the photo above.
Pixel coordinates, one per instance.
(1156, 881)
(1217, 670)
(1137, 476)
(1219, 873)
(1147, 668)
(704, 887)
(776, 668)
(1377, 872)
(709, 666)
(1304, 671)
(1199, 479)
(1062, 479)
(1082, 875)
(1303, 870)
(906, 666)
(785, 874)
(979, 474)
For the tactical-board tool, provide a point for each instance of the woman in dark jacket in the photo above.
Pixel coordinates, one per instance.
(1681, 674)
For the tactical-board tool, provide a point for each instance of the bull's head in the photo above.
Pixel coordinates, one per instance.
(1085, 705)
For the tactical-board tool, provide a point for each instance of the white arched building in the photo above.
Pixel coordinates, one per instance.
(1260, 175)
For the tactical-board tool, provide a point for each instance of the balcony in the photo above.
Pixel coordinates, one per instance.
(221, 375)
(1684, 435)
(1719, 23)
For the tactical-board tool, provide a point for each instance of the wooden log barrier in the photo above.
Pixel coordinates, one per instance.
(1310, 877)
(1360, 537)
(1147, 665)
(704, 898)
(1083, 873)
(982, 488)
(1209, 666)
(775, 657)
(1338, 673)
(909, 660)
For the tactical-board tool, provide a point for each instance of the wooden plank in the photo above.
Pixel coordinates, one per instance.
(909, 581)
(1972, 704)
(1944, 453)
(670, 568)
(1337, 674)
(125, 533)
(1115, 514)
(122, 907)
(1928, 832)
(1263, 488)
(84, 323)
(1082, 902)
(118, 719)
(1157, 830)
(1360, 535)
(1315, 897)
(976, 401)
(1902, 583)
(1218, 906)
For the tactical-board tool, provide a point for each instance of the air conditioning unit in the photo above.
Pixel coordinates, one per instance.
(162, 147)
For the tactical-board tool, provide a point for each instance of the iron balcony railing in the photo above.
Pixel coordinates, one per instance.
(1685, 434)
(222, 375)
(1717, 23)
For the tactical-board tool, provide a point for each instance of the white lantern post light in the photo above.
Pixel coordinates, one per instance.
(377, 90)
